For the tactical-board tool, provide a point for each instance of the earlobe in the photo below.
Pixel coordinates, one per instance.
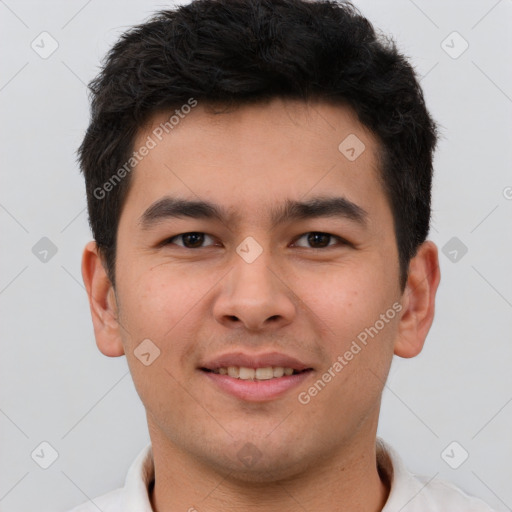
(102, 302)
(418, 301)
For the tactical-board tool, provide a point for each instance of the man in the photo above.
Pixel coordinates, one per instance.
(258, 177)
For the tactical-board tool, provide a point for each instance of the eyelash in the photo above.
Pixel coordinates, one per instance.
(340, 240)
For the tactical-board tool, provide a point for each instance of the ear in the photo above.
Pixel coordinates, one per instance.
(102, 301)
(418, 301)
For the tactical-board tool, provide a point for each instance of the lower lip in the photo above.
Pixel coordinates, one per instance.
(257, 390)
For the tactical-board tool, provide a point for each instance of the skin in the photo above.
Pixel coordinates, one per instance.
(308, 302)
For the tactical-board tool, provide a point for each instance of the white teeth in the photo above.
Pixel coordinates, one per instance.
(233, 371)
(244, 373)
(279, 371)
(265, 373)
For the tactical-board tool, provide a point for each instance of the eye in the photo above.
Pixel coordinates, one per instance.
(192, 240)
(318, 240)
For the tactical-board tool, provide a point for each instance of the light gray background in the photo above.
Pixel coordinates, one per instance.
(56, 387)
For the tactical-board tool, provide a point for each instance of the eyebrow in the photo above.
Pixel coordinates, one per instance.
(170, 207)
(320, 207)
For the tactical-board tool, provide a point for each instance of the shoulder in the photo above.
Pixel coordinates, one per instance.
(441, 494)
(133, 497)
(415, 493)
(110, 502)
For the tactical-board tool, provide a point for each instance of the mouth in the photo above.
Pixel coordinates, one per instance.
(255, 378)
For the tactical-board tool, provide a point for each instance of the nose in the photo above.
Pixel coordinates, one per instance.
(254, 296)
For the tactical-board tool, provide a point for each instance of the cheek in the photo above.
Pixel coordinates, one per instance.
(347, 298)
(156, 301)
(348, 305)
(161, 306)
(357, 339)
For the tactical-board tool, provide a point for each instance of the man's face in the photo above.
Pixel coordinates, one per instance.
(285, 291)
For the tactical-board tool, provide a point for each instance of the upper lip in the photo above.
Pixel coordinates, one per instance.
(254, 361)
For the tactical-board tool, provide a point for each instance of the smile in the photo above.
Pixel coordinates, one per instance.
(256, 384)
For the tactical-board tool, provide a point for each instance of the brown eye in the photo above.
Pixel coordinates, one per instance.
(317, 240)
(193, 240)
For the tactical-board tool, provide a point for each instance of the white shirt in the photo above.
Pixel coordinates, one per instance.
(409, 493)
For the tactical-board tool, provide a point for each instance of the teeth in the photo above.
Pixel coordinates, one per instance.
(244, 373)
(265, 373)
(233, 371)
(279, 371)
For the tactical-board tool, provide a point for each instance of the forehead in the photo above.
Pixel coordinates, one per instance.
(250, 157)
